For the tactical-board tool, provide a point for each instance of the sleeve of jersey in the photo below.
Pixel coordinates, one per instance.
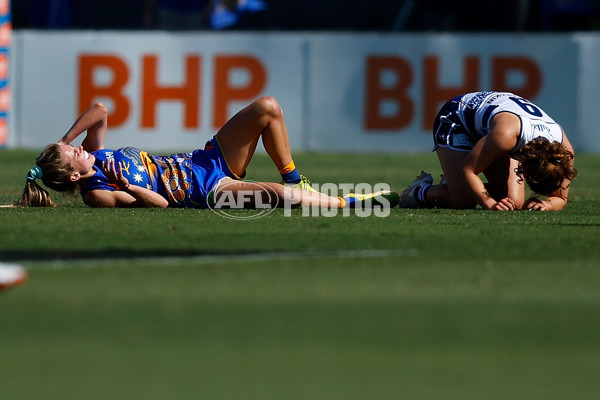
(98, 181)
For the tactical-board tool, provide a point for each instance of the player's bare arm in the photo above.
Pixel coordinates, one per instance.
(499, 142)
(94, 120)
(128, 195)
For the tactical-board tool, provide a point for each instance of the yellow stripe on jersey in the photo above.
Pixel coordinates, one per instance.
(149, 165)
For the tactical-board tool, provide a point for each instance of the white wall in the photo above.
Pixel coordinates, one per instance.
(350, 92)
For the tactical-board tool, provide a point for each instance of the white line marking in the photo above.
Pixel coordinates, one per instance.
(214, 259)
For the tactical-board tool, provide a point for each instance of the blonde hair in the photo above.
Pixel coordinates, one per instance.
(56, 173)
(545, 165)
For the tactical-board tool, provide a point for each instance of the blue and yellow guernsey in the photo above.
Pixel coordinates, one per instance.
(178, 177)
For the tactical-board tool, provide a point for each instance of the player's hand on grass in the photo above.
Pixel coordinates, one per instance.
(114, 174)
(534, 204)
(506, 204)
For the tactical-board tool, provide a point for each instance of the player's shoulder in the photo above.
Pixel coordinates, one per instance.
(505, 128)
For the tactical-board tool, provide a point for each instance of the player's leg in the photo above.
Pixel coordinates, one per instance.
(239, 137)
(254, 194)
(452, 144)
(240, 194)
(449, 193)
(452, 193)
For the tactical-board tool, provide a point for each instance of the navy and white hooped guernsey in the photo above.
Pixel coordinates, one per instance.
(477, 109)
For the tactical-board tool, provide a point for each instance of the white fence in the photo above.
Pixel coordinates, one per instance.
(339, 92)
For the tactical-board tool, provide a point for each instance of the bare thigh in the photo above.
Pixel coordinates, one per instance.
(450, 160)
(239, 137)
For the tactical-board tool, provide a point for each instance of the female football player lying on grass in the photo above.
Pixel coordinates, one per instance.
(128, 177)
(509, 140)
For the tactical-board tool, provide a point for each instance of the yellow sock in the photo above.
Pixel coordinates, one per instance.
(288, 168)
(342, 202)
(290, 174)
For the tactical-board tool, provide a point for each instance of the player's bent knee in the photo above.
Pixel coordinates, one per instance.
(269, 106)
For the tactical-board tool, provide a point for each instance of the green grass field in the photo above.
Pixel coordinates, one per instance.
(185, 304)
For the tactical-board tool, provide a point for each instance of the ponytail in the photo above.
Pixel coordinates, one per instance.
(54, 173)
(34, 196)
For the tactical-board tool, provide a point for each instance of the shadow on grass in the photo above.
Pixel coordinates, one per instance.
(108, 254)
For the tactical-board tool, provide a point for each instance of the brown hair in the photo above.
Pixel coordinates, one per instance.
(56, 174)
(545, 165)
